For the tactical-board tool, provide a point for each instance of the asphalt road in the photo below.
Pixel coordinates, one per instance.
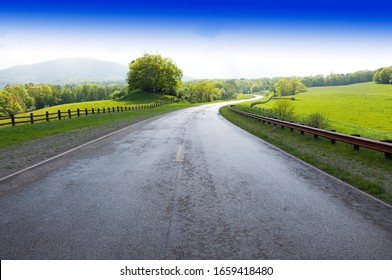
(188, 185)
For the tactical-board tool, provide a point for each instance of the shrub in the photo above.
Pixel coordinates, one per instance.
(318, 120)
(284, 109)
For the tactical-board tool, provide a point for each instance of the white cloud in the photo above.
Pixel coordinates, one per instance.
(226, 53)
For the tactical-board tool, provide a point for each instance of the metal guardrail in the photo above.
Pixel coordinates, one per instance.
(356, 141)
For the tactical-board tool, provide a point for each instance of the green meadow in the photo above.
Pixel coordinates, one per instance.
(364, 108)
(137, 99)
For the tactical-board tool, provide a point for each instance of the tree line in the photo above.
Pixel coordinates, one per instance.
(15, 99)
(155, 74)
(338, 79)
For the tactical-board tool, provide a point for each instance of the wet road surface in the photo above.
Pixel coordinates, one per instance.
(188, 185)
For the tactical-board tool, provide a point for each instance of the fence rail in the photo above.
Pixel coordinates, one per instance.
(33, 118)
(357, 141)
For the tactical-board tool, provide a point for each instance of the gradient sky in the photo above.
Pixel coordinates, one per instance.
(207, 39)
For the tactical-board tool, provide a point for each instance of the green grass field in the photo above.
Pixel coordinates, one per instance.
(138, 99)
(364, 109)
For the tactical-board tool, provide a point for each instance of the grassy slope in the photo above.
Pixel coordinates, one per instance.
(363, 109)
(368, 170)
(21, 133)
(138, 99)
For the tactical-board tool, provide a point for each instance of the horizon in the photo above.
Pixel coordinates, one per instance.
(189, 77)
(206, 39)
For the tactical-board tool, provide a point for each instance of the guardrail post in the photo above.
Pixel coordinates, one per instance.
(69, 113)
(386, 154)
(31, 118)
(47, 116)
(59, 114)
(356, 147)
(333, 140)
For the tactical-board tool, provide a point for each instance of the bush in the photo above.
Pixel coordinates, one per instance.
(318, 120)
(284, 109)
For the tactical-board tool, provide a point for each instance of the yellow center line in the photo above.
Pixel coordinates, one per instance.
(179, 153)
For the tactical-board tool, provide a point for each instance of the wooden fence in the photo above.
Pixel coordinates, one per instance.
(32, 118)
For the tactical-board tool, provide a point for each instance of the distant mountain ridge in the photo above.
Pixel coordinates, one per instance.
(63, 71)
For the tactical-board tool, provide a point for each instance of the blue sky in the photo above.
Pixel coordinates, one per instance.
(207, 39)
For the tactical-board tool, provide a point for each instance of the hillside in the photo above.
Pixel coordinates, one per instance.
(62, 71)
(363, 108)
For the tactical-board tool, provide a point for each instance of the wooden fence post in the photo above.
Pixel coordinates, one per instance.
(92, 111)
(69, 113)
(103, 110)
(47, 116)
(59, 114)
(12, 119)
(78, 112)
(86, 111)
(31, 118)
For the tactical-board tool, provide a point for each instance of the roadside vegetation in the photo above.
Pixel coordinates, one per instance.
(365, 169)
(21, 133)
(363, 109)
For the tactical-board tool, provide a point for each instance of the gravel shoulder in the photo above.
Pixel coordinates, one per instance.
(18, 157)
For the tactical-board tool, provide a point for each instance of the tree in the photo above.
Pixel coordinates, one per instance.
(20, 94)
(153, 73)
(203, 91)
(285, 87)
(9, 104)
(383, 75)
(255, 88)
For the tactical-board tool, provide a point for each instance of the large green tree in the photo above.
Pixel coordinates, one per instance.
(288, 87)
(153, 73)
(383, 75)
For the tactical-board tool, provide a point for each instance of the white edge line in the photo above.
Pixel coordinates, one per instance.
(78, 147)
